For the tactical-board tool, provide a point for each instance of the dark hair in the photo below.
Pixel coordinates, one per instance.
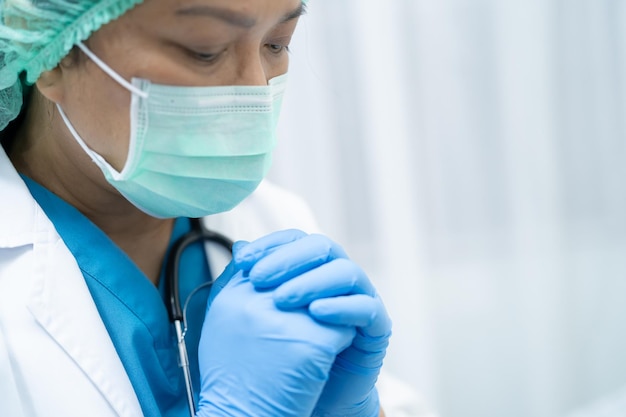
(7, 135)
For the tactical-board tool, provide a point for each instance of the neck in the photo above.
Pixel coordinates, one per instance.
(145, 242)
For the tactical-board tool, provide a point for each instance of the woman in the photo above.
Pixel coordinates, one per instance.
(123, 121)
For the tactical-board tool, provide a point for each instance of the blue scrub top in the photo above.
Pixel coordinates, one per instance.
(133, 309)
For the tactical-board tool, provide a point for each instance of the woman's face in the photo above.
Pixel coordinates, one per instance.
(174, 42)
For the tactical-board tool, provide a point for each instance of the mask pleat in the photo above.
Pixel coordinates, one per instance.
(231, 135)
(238, 168)
(195, 199)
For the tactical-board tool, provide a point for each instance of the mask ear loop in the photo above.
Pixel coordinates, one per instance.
(110, 72)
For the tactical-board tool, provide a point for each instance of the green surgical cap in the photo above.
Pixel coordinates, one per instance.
(36, 34)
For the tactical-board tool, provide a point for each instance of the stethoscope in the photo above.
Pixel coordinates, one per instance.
(177, 312)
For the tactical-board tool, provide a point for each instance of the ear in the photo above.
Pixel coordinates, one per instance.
(50, 83)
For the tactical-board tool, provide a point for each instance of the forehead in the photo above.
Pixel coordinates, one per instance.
(244, 13)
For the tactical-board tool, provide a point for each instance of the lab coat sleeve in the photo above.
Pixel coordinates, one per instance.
(270, 208)
(400, 400)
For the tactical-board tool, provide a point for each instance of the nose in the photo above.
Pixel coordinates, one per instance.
(251, 69)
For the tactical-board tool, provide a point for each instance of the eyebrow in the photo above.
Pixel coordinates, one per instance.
(235, 18)
(296, 13)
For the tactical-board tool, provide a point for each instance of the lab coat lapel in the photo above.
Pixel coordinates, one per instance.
(61, 303)
(59, 298)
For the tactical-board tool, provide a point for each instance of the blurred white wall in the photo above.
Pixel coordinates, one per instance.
(471, 156)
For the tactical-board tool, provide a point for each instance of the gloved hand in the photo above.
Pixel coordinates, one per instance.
(314, 273)
(257, 360)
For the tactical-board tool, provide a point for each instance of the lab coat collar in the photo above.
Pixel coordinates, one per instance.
(17, 208)
(59, 299)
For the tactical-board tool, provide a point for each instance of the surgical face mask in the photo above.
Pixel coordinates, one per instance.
(194, 151)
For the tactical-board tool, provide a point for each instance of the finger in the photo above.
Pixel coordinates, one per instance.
(360, 310)
(293, 259)
(239, 245)
(220, 282)
(336, 278)
(245, 256)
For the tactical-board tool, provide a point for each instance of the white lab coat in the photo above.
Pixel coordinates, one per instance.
(56, 357)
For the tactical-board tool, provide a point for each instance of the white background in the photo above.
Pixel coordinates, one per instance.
(471, 156)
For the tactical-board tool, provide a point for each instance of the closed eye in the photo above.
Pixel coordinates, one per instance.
(204, 57)
(277, 48)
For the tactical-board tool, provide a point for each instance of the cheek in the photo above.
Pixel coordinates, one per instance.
(99, 109)
(279, 69)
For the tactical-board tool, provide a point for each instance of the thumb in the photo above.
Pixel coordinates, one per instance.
(221, 282)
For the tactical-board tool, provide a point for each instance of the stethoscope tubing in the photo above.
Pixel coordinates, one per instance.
(198, 233)
(175, 310)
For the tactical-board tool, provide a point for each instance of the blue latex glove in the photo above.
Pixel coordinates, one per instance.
(312, 272)
(257, 360)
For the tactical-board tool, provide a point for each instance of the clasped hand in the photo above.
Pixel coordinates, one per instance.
(294, 328)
